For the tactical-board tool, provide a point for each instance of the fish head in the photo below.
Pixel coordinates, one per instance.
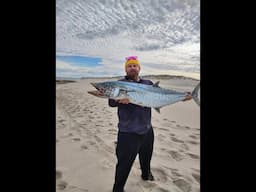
(104, 89)
(100, 86)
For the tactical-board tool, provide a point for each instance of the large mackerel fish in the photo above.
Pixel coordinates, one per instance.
(144, 95)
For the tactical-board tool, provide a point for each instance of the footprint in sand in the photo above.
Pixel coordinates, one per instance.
(176, 140)
(85, 147)
(163, 129)
(159, 174)
(61, 120)
(67, 135)
(92, 142)
(163, 149)
(196, 176)
(58, 174)
(193, 142)
(183, 185)
(175, 174)
(194, 156)
(148, 184)
(106, 164)
(161, 137)
(196, 170)
(76, 139)
(75, 189)
(169, 125)
(193, 136)
(176, 155)
(111, 130)
(184, 146)
(159, 189)
(61, 185)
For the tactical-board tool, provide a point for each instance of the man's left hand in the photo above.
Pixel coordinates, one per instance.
(188, 97)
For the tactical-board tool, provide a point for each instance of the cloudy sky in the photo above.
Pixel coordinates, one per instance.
(93, 37)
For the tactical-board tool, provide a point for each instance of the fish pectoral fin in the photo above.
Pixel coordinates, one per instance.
(157, 109)
(156, 84)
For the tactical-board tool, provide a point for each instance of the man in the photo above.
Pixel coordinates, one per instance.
(135, 132)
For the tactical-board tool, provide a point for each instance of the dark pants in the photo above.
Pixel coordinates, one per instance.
(128, 146)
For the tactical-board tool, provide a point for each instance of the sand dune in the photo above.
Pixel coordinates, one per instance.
(86, 132)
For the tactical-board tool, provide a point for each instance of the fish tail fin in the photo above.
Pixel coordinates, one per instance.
(195, 94)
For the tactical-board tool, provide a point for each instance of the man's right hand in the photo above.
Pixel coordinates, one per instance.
(123, 101)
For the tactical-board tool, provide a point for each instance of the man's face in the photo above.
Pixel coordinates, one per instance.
(132, 70)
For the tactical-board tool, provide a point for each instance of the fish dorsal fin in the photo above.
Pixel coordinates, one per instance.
(156, 84)
(157, 109)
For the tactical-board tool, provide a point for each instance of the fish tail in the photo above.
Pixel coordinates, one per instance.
(195, 94)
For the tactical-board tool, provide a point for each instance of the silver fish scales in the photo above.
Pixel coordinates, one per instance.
(141, 94)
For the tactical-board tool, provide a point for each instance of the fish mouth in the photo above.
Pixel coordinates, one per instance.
(94, 85)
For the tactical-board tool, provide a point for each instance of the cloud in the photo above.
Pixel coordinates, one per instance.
(160, 32)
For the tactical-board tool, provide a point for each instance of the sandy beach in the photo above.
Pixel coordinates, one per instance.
(86, 130)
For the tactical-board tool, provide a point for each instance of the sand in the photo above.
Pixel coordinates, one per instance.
(86, 130)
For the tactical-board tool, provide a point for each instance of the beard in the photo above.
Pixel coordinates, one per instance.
(133, 74)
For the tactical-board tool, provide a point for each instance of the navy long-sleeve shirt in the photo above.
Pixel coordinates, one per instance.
(133, 118)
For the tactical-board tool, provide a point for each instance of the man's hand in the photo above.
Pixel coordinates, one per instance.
(100, 92)
(188, 97)
(123, 101)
